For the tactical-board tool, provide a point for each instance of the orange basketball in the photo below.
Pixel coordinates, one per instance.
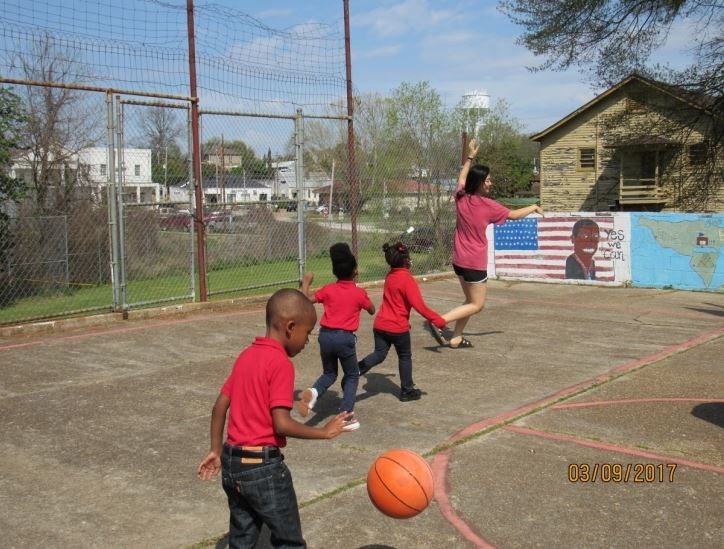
(399, 483)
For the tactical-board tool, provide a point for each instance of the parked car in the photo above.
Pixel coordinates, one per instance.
(423, 239)
(175, 222)
(212, 217)
(233, 222)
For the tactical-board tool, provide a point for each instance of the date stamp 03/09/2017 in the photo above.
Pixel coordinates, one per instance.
(637, 473)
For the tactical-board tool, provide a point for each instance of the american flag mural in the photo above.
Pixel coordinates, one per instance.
(536, 247)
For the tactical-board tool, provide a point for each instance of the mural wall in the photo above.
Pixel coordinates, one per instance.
(683, 251)
(660, 250)
(574, 248)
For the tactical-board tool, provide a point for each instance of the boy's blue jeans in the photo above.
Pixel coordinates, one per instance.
(403, 346)
(260, 494)
(338, 345)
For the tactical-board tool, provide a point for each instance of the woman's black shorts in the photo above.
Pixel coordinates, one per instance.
(471, 276)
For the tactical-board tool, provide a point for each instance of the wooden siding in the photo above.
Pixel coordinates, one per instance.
(624, 116)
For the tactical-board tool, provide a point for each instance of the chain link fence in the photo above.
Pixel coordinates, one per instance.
(54, 242)
(127, 236)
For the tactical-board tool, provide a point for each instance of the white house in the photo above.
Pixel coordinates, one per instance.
(138, 185)
(90, 167)
(285, 182)
(235, 189)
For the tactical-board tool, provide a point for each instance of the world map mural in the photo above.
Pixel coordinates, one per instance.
(678, 250)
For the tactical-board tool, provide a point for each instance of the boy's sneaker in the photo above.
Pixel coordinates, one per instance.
(407, 395)
(351, 424)
(309, 399)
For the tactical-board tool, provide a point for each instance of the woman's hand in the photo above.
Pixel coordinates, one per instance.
(473, 148)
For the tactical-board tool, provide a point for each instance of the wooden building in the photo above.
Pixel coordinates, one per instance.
(640, 146)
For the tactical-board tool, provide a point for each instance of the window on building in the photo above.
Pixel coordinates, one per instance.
(137, 169)
(586, 158)
(697, 154)
(104, 169)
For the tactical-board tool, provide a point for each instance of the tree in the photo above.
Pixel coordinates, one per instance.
(504, 148)
(375, 168)
(12, 119)
(60, 122)
(422, 138)
(617, 37)
(161, 128)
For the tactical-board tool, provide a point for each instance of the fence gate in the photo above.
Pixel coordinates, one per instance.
(155, 260)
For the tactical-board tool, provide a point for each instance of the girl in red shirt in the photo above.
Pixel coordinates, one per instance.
(392, 324)
(343, 301)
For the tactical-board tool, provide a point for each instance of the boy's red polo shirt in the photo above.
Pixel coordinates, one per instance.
(262, 378)
(342, 300)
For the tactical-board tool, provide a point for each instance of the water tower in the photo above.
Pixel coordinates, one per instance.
(475, 104)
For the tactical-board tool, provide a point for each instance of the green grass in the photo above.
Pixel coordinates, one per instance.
(163, 288)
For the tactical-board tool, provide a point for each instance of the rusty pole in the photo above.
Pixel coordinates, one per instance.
(464, 148)
(196, 155)
(353, 190)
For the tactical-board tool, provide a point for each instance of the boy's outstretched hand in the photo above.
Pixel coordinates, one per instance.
(335, 426)
(209, 467)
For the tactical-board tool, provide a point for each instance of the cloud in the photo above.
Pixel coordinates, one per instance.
(404, 17)
(384, 51)
(274, 13)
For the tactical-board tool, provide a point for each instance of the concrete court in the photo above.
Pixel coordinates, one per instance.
(104, 424)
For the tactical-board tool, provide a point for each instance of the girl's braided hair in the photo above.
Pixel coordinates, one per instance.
(396, 254)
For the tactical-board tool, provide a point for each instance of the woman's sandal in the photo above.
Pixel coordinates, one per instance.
(436, 333)
(464, 344)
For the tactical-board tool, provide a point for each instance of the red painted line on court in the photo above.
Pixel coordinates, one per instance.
(702, 315)
(593, 404)
(440, 466)
(614, 448)
(439, 473)
(126, 330)
(614, 372)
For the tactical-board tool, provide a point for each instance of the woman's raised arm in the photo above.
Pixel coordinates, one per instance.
(472, 151)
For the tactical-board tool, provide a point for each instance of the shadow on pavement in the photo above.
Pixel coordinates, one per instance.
(713, 412)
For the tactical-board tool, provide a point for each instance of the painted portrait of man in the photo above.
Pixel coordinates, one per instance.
(585, 237)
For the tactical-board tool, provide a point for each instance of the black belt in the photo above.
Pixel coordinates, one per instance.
(266, 452)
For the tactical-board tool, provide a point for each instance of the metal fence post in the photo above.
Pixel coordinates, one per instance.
(123, 282)
(112, 203)
(299, 176)
(192, 207)
(67, 257)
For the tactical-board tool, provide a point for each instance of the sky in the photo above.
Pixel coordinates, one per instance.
(458, 46)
